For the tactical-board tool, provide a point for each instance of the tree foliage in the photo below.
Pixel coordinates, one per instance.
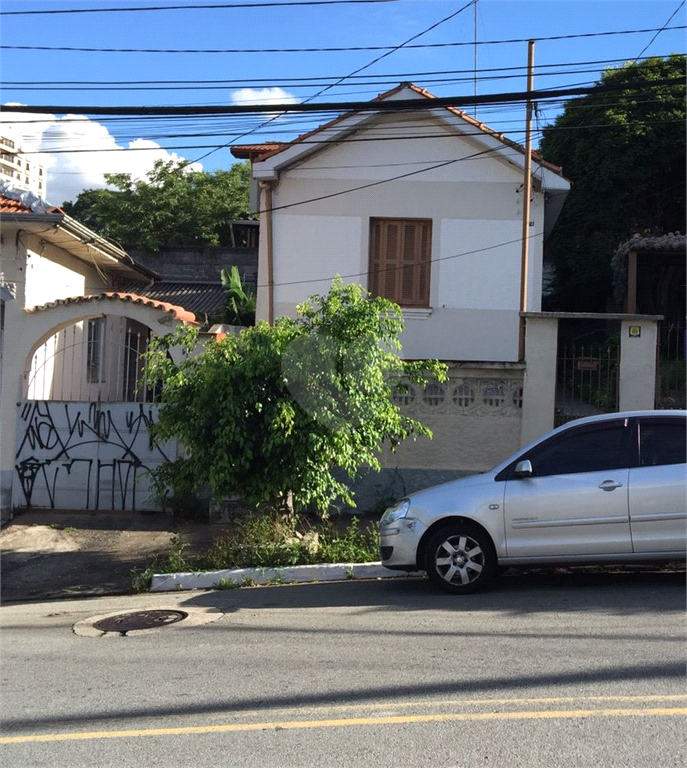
(273, 411)
(171, 206)
(624, 152)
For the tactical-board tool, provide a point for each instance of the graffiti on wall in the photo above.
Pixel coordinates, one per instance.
(86, 455)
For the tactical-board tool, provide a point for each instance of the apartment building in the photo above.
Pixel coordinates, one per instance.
(22, 171)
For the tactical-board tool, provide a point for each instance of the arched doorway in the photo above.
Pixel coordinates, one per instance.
(83, 438)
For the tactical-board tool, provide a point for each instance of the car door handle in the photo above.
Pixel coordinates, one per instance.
(610, 485)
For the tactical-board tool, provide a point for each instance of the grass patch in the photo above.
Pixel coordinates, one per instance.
(269, 540)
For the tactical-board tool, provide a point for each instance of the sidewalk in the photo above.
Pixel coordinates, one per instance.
(50, 554)
(57, 554)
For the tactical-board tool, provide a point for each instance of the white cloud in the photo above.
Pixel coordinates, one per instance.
(69, 173)
(263, 96)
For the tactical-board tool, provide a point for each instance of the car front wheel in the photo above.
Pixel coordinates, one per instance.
(460, 559)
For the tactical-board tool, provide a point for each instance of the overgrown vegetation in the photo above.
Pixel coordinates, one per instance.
(270, 414)
(269, 540)
(624, 152)
(239, 305)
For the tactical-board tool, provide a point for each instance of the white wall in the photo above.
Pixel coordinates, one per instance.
(474, 202)
(84, 455)
(52, 273)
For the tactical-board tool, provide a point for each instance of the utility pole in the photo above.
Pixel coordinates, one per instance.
(526, 194)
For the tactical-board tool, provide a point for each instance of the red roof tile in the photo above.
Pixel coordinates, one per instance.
(178, 313)
(8, 205)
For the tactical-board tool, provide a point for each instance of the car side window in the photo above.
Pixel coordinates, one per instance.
(588, 449)
(662, 441)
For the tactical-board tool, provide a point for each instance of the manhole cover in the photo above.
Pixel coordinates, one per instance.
(128, 622)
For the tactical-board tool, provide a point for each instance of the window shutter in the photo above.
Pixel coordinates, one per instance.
(400, 258)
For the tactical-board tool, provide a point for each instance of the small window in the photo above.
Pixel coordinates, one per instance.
(400, 259)
(662, 441)
(94, 350)
(588, 449)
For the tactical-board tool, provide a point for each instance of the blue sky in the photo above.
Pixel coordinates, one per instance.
(132, 145)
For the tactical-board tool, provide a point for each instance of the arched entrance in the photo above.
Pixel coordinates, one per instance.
(83, 421)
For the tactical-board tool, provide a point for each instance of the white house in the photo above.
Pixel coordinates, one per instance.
(423, 207)
(73, 422)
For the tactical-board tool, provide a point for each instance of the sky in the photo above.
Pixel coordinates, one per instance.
(78, 148)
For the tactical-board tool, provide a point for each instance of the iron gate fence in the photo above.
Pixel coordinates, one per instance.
(587, 380)
(670, 370)
(97, 360)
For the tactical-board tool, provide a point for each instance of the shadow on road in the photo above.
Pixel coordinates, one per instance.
(625, 592)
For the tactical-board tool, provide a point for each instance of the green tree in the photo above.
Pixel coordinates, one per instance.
(171, 206)
(624, 152)
(271, 413)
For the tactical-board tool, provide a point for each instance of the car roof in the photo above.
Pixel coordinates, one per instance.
(624, 415)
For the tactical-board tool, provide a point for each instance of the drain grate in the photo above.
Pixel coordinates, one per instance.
(129, 622)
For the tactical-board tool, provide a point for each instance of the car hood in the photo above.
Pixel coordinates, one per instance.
(460, 490)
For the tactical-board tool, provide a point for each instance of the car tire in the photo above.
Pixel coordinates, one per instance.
(460, 559)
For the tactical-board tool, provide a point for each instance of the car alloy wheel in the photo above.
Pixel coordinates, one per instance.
(461, 559)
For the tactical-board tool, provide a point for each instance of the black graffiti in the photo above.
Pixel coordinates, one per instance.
(52, 451)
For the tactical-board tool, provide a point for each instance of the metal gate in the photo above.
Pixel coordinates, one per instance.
(670, 371)
(587, 380)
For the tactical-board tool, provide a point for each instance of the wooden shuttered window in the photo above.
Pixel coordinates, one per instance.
(400, 258)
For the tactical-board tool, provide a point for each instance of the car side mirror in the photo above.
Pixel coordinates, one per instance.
(523, 469)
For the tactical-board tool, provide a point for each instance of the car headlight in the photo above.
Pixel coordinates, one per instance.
(395, 512)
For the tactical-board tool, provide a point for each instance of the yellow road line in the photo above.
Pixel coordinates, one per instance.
(347, 722)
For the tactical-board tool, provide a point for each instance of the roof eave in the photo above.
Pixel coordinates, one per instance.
(85, 243)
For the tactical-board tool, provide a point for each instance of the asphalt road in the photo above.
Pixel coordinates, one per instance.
(546, 671)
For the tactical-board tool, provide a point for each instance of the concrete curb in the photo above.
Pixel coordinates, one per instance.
(297, 574)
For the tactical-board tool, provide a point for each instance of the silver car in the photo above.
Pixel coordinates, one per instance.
(604, 489)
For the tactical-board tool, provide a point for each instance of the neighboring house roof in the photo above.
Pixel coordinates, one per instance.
(9, 205)
(673, 242)
(259, 152)
(200, 298)
(177, 312)
(32, 214)
(254, 151)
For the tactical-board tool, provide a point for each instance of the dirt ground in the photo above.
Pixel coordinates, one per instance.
(58, 554)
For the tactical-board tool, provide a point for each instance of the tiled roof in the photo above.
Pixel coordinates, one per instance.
(178, 313)
(263, 151)
(200, 298)
(672, 243)
(253, 151)
(8, 205)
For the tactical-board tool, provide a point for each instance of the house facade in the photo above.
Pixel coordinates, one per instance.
(422, 207)
(425, 208)
(73, 414)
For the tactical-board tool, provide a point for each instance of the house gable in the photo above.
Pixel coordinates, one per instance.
(269, 160)
(431, 193)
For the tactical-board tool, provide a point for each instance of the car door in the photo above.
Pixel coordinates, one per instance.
(576, 501)
(658, 513)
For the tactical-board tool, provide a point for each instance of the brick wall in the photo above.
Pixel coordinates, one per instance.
(189, 263)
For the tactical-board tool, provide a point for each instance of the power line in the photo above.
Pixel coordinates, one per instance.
(334, 49)
(290, 120)
(381, 137)
(221, 85)
(270, 82)
(400, 105)
(386, 137)
(648, 45)
(355, 72)
(223, 6)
